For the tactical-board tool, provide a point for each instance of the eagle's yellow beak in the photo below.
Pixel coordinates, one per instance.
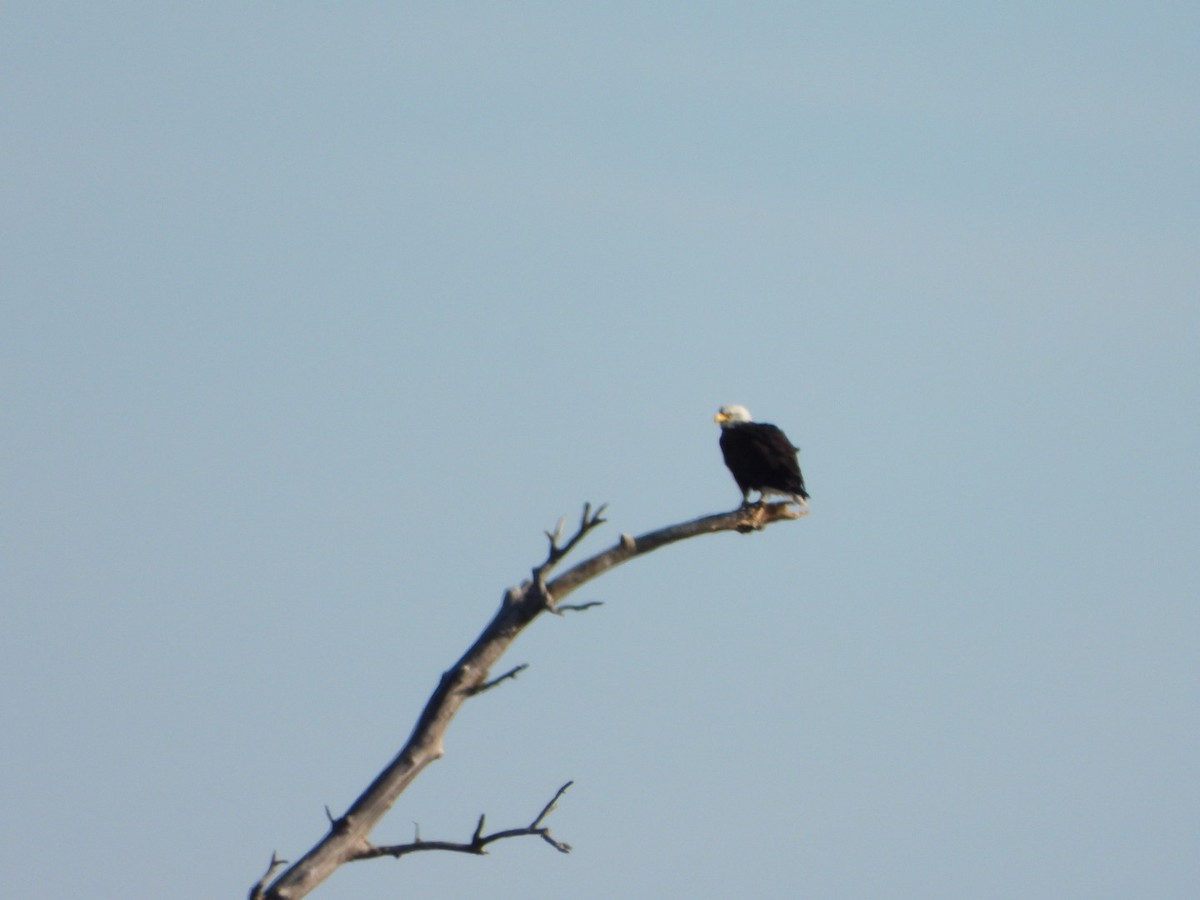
(721, 417)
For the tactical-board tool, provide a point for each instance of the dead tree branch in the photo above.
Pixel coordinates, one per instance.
(346, 839)
(511, 673)
(479, 841)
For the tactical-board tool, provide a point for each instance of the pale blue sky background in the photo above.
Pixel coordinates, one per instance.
(315, 315)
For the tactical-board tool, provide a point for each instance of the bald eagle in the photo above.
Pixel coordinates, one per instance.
(760, 456)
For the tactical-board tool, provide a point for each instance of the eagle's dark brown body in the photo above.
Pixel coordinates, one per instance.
(760, 456)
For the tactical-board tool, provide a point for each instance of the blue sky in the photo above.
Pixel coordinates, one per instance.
(315, 317)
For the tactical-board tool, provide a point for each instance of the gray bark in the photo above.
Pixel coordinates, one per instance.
(347, 838)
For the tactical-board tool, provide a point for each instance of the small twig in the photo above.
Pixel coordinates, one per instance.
(556, 535)
(488, 685)
(550, 807)
(479, 841)
(256, 892)
(557, 551)
(575, 607)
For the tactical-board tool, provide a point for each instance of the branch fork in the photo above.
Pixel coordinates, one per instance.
(557, 550)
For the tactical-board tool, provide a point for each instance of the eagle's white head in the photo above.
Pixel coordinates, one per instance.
(733, 414)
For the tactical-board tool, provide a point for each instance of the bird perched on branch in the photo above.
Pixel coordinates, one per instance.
(760, 456)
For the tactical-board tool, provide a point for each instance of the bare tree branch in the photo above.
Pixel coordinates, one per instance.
(346, 839)
(511, 673)
(744, 519)
(479, 841)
